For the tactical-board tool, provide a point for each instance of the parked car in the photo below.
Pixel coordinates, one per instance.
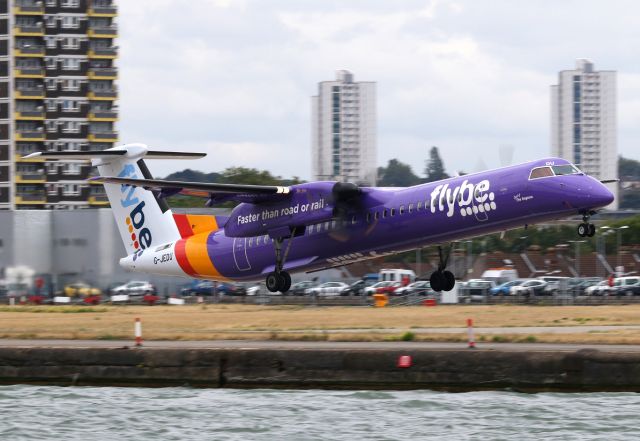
(328, 289)
(421, 287)
(554, 283)
(579, 289)
(626, 286)
(357, 288)
(476, 289)
(505, 288)
(389, 289)
(205, 288)
(300, 288)
(531, 287)
(373, 289)
(135, 288)
(600, 289)
(80, 289)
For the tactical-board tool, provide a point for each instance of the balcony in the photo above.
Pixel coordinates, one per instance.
(106, 115)
(28, 72)
(98, 200)
(30, 178)
(33, 115)
(28, 8)
(33, 30)
(104, 95)
(31, 197)
(29, 51)
(32, 93)
(30, 135)
(104, 53)
(96, 73)
(103, 137)
(103, 31)
(102, 11)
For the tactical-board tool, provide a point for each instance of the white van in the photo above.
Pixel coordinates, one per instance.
(500, 275)
(397, 275)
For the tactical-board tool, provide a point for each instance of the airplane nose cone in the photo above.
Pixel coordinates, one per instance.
(602, 196)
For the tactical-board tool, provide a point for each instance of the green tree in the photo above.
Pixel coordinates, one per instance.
(628, 168)
(396, 174)
(231, 175)
(434, 169)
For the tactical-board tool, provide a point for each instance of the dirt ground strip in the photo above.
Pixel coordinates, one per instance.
(318, 323)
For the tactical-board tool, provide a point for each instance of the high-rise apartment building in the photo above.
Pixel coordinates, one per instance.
(57, 93)
(583, 121)
(343, 120)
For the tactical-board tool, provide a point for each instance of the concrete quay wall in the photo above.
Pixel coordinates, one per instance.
(455, 370)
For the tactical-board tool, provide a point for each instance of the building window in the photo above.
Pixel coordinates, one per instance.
(71, 189)
(52, 4)
(51, 42)
(71, 127)
(70, 43)
(71, 85)
(71, 168)
(51, 63)
(50, 21)
(70, 3)
(71, 64)
(70, 106)
(70, 22)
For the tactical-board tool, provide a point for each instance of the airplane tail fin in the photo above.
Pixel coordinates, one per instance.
(143, 218)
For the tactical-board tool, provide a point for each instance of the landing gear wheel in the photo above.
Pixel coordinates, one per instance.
(437, 281)
(583, 230)
(591, 230)
(286, 282)
(273, 282)
(449, 279)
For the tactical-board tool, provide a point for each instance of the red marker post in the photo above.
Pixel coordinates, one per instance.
(138, 332)
(472, 338)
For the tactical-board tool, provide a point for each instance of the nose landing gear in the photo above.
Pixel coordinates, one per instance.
(586, 229)
(442, 280)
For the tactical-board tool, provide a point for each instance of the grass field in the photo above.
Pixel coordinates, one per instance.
(314, 323)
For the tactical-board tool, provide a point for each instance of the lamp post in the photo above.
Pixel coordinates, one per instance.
(469, 256)
(577, 258)
(618, 230)
(603, 250)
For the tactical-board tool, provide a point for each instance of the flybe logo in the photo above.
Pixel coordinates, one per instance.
(467, 199)
(140, 235)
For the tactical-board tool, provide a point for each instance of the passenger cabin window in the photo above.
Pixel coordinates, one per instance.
(410, 208)
(541, 172)
(419, 206)
(401, 209)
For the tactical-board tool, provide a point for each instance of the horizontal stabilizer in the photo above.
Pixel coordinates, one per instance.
(105, 154)
(216, 193)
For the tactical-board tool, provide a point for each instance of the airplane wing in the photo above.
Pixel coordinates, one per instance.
(215, 193)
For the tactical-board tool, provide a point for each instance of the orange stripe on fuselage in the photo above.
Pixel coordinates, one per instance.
(181, 257)
(198, 256)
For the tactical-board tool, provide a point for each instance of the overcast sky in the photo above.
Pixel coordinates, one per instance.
(234, 77)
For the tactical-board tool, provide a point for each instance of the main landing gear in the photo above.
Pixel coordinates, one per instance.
(440, 279)
(585, 229)
(280, 280)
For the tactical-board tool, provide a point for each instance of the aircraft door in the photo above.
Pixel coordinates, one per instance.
(240, 254)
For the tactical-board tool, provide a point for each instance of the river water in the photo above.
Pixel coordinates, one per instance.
(110, 413)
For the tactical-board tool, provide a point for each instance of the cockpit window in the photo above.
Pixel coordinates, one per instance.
(541, 172)
(566, 169)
